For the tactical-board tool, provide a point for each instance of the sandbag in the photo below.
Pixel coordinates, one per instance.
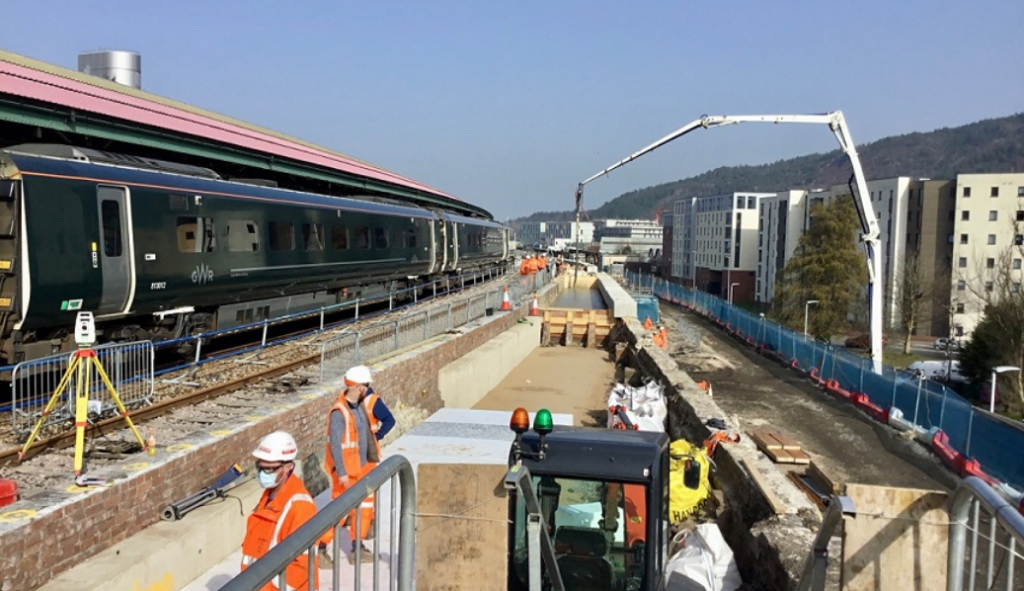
(689, 486)
(706, 563)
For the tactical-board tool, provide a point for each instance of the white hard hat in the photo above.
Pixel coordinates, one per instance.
(358, 374)
(276, 447)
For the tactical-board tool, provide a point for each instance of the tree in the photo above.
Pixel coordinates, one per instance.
(998, 339)
(828, 267)
(913, 292)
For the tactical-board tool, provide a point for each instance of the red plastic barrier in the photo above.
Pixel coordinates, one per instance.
(861, 401)
(961, 465)
(816, 378)
(750, 341)
(833, 388)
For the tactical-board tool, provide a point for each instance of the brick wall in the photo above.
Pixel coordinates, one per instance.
(68, 529)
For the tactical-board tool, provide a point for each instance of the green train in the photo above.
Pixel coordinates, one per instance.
(160, 250)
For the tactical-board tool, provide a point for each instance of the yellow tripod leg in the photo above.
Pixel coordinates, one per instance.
(117, 401)
(70, 371)
(81, 413)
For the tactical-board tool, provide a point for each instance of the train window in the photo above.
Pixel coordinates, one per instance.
(362, 238)
(409, 240)
(282, 236)
(380, 238)
(339, 237)
(243, 236)
(196, 234)
(313, 236)
(111, 213)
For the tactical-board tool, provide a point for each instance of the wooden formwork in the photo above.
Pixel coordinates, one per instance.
(588, 328)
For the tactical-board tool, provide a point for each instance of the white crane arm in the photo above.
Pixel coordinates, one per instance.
(861, 198)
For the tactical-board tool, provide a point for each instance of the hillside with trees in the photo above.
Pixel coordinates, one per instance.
(992, 145)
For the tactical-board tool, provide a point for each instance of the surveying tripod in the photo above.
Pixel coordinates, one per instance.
(83, 362)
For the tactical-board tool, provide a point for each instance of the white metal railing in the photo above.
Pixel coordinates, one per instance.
(373, 342)
(978, 513)
(129, 367)
(402, 539)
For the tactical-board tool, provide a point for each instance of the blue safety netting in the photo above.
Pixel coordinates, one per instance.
(991, 441)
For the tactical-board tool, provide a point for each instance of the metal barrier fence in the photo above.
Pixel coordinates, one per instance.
(973, 506)
(402, 540)
(974, 433)
(129, 367)
(339, 353)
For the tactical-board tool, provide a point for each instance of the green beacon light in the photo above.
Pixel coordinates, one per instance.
(542, 422)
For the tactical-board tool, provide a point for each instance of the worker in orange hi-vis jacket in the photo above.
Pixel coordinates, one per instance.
(664, 337)
(284, 506)
(524, 266)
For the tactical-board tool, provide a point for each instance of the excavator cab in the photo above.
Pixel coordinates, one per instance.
(603, 496)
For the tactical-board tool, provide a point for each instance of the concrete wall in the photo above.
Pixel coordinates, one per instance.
(52, 532)
(465, 381)
(621, 304)
(181, 552)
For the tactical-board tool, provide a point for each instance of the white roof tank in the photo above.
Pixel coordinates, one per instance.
(123, 67)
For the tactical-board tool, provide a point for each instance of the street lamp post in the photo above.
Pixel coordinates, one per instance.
(807, 306)
(992, 392)
(731, 285)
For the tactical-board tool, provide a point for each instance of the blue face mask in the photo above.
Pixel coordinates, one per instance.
(267, 480)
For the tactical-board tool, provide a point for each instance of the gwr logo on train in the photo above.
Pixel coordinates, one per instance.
(202, 274)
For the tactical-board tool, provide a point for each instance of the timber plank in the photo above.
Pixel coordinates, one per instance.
(766, 491)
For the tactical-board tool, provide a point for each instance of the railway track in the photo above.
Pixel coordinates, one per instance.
(219, 392)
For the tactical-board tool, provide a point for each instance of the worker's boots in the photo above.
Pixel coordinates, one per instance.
(326, 561)
(366, 556)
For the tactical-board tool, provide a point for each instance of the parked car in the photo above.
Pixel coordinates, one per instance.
(862, 342)
(947, 345)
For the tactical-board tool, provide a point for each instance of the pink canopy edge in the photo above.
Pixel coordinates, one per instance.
(29, 83)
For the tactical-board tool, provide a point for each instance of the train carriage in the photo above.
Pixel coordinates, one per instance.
(159, 250)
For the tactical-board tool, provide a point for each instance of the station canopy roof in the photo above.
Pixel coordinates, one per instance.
(49, 97)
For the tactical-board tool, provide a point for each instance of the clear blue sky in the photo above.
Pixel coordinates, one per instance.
(510, 104)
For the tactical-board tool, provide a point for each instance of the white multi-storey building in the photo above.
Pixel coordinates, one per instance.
(639, 236)
(719, 234)
(561, 235)
(783, 220)
(683, 251)
(987, 244)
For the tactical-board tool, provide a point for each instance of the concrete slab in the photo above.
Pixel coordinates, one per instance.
(618, 299)
(562, 379)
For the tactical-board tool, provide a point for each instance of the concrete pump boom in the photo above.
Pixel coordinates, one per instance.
(861, 199)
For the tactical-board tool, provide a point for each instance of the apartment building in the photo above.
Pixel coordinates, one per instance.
(782, 220)
(532, 234)
(724, 239)
(987, 244)
(683, 248)
(562, 235)
(635, 236)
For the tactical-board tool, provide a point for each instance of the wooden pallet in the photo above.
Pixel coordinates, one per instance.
(780, 448)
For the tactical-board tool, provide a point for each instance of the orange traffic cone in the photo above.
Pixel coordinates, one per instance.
(647, 324)
(506, 306)
(534, 310)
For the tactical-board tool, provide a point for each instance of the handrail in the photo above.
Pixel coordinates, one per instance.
(306, 538)
(974, 490)
(813, 577)
(539, 543)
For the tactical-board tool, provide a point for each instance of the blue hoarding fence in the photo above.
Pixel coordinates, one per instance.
(972, 433)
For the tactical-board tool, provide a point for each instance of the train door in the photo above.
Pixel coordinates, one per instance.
(115, 251)
(441, 245)
(453, 245)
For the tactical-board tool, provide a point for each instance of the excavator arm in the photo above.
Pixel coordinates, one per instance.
(868, 221)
